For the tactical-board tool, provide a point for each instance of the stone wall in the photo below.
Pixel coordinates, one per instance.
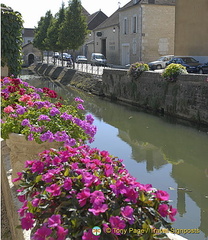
(187, 98)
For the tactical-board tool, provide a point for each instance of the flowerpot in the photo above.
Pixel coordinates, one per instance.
(22, 150)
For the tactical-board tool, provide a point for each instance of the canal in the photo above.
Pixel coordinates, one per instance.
(170, 156)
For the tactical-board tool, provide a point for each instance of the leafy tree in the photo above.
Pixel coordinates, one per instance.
(40, 38)
(11, 39)
(74, 29)
(54, 29)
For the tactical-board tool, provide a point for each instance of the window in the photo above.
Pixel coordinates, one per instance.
(125, 26)
(134, 24)
(134, 46)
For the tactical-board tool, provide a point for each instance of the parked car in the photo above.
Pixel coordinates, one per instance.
(191, 64)
(98, 59)
(81, 59)
(55, 55)
(203, 68)
(65, 57)
(160, 63)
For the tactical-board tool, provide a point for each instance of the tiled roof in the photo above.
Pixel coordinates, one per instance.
(28, 32)
(96, 19)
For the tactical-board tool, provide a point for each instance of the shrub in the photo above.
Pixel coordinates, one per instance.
(136, 69)
(172, 71)
(66, 193)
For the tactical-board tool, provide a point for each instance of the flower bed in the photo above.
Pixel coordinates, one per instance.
(68, 192)
(41, 116)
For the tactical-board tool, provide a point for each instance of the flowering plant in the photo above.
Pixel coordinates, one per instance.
(41, 116)
(137, 68)
(65, 193)
(172, 71)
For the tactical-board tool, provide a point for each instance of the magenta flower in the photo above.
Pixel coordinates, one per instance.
(89, 236)
(108, 170)
(67, 184)
(42, 233)
(54, 111)
(162, 195)
(54, 221)
(43, 117)
(61, 233)
(78, 99)
(28, 221)
(80, 106)
(127, 213)
(132, 195)
(117, 222)
(97, 209)
(54, 189)
(166, 210)
(97, 198)
(37, 166)
(83, 196)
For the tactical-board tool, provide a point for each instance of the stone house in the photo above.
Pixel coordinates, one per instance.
(191, 29)
(142, 30)
(147, 30)
(30, 54)
(106, 38)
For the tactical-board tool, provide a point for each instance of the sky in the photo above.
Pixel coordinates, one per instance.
(33, 10)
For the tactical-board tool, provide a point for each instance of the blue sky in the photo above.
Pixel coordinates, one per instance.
(32, 11)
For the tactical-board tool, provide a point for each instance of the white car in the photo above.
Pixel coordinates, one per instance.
(160, 63)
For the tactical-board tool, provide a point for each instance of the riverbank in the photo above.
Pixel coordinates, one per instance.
(185, 99)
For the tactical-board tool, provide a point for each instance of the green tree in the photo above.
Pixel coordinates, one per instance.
(11, 39)
(74, 29)
(40, 39)
(54, 29)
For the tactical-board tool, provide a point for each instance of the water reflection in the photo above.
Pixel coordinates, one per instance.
(170, 156)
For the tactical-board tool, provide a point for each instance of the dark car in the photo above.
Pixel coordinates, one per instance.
(65, 57)
(203, 68)
(191, 64)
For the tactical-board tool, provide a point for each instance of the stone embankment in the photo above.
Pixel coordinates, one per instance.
(187, 98)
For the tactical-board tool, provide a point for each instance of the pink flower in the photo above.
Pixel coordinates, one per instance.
(37, 166)
(42, 233)
(67, 184)
(8, 109)
(166, 210)
(25, 98)
(54, 189)
(117, 223)
(131, 195)
(97, 198)
(89, 236)
(127, 213)
(83, 196)
(162, 195)
(61, 233)
(108, 170)
(97, 209)
(28, 221)
(54, 221)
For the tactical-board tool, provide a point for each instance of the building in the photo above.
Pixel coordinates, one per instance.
(191, 29)
(30, 54)
(142, 30)
(146, 30)
(28, 35)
